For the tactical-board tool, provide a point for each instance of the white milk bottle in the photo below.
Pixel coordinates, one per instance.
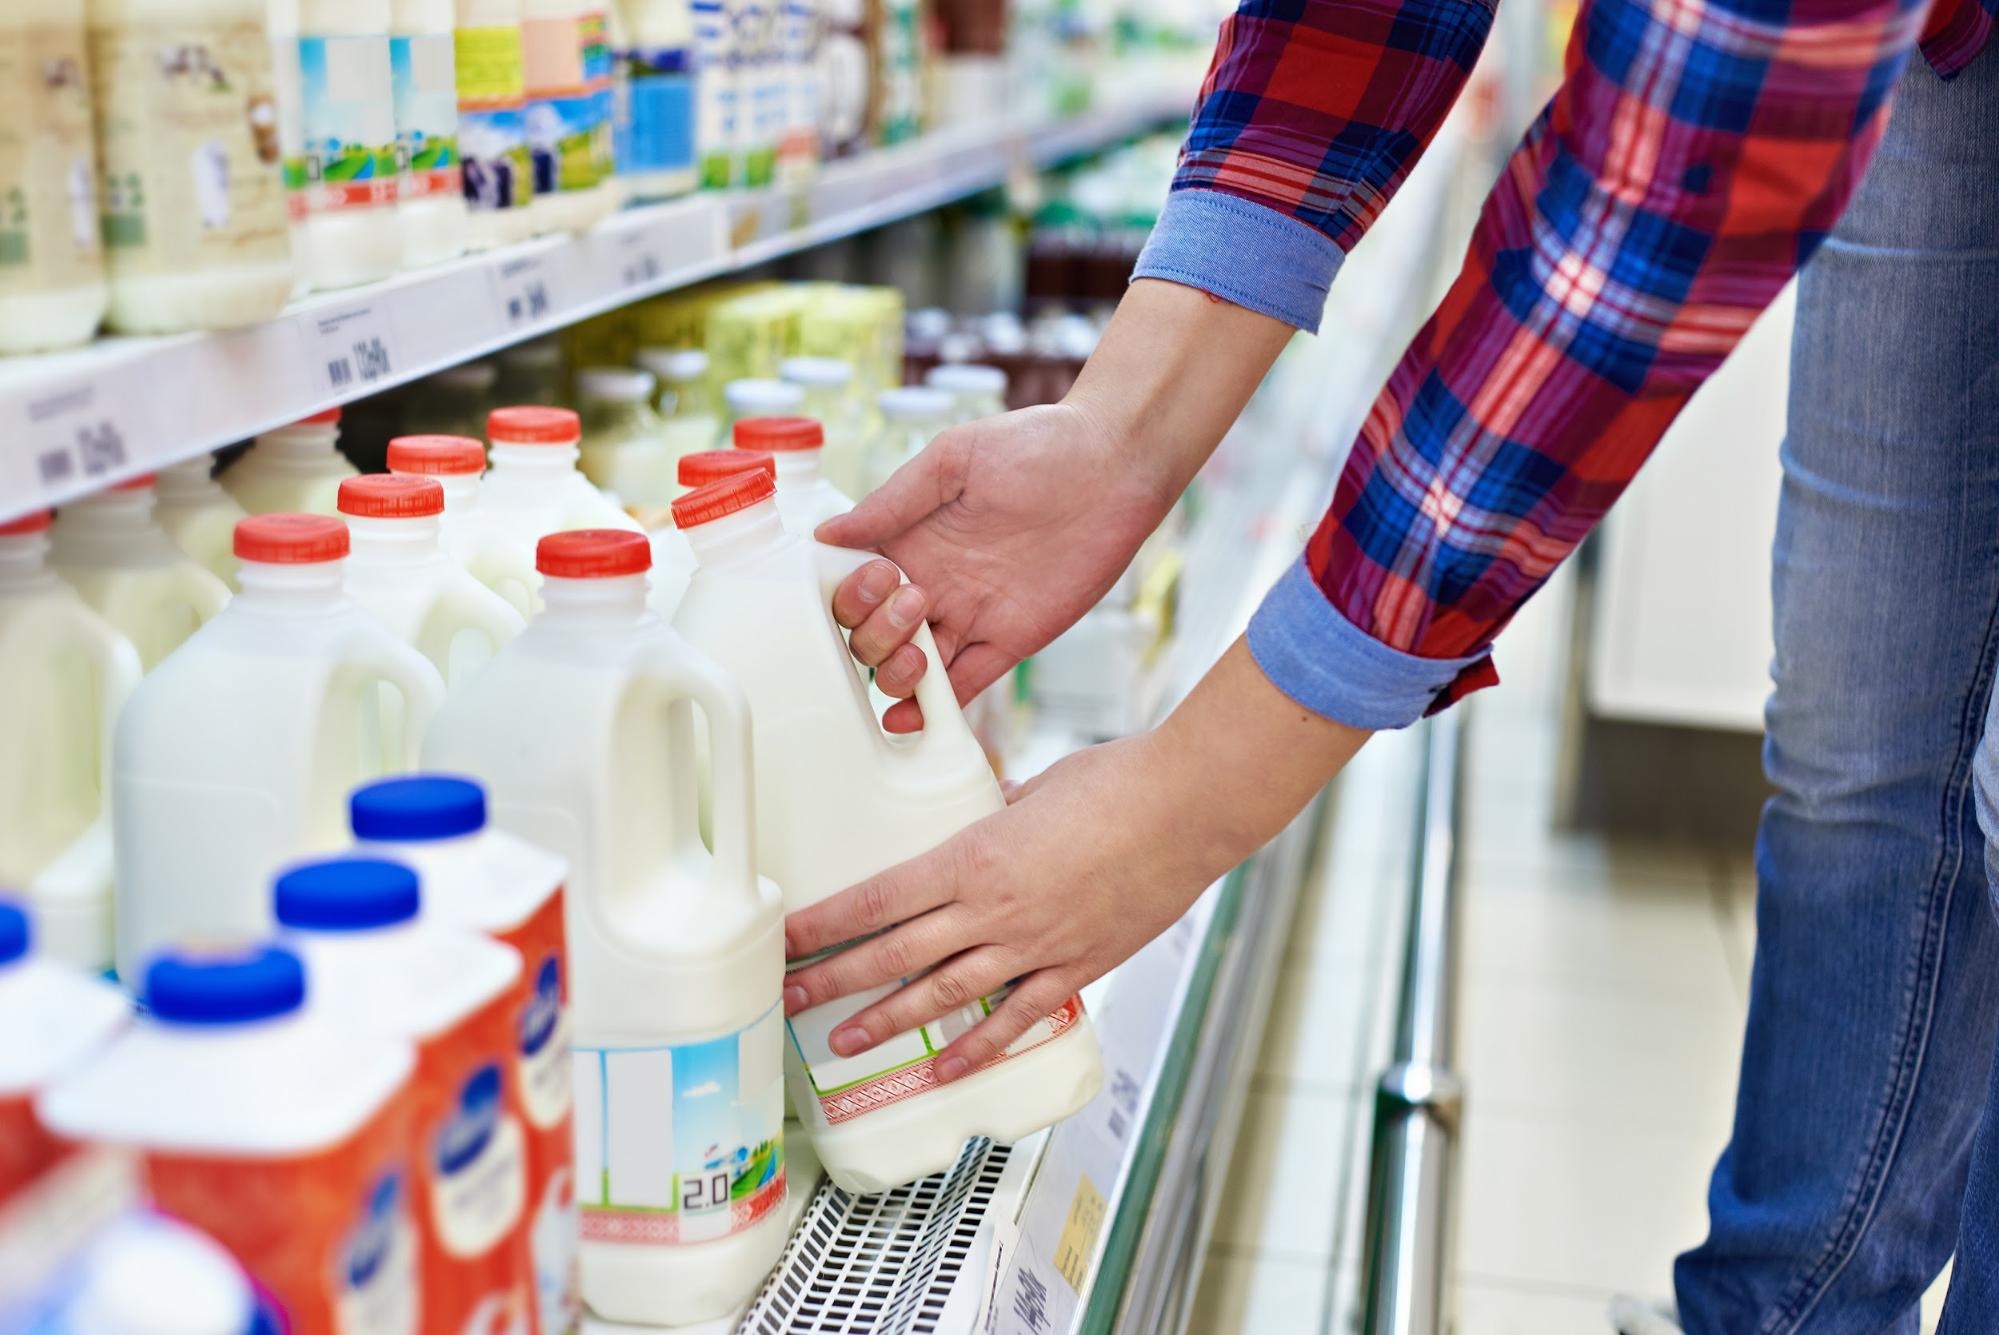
(534, 487)
(566, 63)
(64, 676)
(56, 1018)
(655, 128)
(238, 752)
(336, 98)
(976, 391)
(912, 417)
(124, 565)
(280, 1131)
(430, 186)
(486, 880)
(686, 398)
(838, 801)
(582, 731)
(296, 469)
(805, 498)
(759, 398)
(830, 399)
(377, 966)
(672, 558)
(195, 233)
(52, 275)
(399, 573)
(492, 129)
(199, 515)
(457, 462)
(624, 440)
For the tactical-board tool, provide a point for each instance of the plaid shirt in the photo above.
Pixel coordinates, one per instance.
(1694, 156)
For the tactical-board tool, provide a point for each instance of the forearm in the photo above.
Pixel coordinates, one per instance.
(1238, 759)
(1171, 374)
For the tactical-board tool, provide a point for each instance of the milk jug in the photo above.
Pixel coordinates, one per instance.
(121, 561)
(534, 488)
(280, 1131)
(672, 558)
(238, 752)
(759, 398)
(832, 399)
(976, 391)
(624, 441)
(486, 880)
(450, 991)
(805, 498)
(838, 801)
(55, 1017)
(398, 572)
(199, 515)
(582, 732)
(686, 400)
(467, 534)
(295, 469)
(64, 676)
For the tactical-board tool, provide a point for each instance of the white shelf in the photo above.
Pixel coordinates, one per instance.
(75, 422)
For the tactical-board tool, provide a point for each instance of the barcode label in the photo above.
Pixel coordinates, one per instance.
(1030, 1301)
(525, 293)
(355, 345)
(77, 438)
(1124, 1093)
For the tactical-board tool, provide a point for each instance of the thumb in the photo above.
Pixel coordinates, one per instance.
(916, 490)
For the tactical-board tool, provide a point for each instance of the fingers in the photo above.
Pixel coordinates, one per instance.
(894, 896)
(934, 478)
(900, 671)
(1035, 997)
(975, 667)
(864, 591)
(889, 627)
(953, 986)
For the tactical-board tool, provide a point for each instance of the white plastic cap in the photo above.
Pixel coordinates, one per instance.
(958, 347)
(929, 324)
(674, 364)
(474, 377)
(614, 384)
(912, 403)
(141, 1258)
(967, 378)
(537, 353)
(763, 398)
(815, 370)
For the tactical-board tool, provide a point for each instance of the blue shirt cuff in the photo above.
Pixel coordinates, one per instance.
(1308, 648)
(1256, 257)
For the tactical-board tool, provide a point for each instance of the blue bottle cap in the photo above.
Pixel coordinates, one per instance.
(428, 806)
(346, 895)
(197, 989)
(15, 932)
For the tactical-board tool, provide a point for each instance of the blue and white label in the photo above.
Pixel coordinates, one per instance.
(655, 120)
(478, 1168)
(378, 1263)
(544, 1049)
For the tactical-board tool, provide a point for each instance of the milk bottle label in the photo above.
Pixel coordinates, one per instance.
(347, 158)
(848, 1087)
(681, 1143)
(714, 93)
(473, 1155)
(188, 144)
(567, 63)
(655, 123)
(329, 1236)
(497, 172)
(426, 97)
(48, 218)
(543, 1065)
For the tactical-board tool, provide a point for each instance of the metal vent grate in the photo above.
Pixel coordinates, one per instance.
(879, 1265)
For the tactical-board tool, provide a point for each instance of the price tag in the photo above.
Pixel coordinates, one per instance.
(1078, 1245)
(524, 289)
(77, 437)
(638, 258)
(352, 348)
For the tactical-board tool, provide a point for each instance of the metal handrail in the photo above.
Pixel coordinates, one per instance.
(1418, 1098)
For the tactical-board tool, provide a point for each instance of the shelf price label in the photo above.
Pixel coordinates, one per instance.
(639, 261)
(78, 438)
(525, 291)
(352, 348)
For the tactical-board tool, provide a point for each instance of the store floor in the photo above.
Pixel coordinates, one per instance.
(1600, 1006)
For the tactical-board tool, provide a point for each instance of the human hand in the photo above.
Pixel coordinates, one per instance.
(1009, 529)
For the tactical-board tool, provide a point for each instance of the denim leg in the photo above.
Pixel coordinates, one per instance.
(1874, 1002)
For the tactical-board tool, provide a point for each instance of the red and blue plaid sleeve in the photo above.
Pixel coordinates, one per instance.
(1696, 154)
(1312, 114)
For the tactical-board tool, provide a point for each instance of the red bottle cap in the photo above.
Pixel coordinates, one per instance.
(139, 483)
(436, 456)
(779, 433)
(391, 496)
(593, 553)
(38, 522)
(697, 470)
(321, 417)
(291, 540)
(532, 424)
(719, 499)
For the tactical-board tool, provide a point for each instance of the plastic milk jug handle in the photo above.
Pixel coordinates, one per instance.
(367, 658)
(480, 609)
(118, 669)
(204, 592)
(943, 721)
(685, 674)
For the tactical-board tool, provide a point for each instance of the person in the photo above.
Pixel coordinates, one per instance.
(1695, 156)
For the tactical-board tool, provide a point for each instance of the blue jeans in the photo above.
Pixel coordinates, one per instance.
(1866, 1139)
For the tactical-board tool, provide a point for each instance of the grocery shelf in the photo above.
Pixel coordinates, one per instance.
(74, 422)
